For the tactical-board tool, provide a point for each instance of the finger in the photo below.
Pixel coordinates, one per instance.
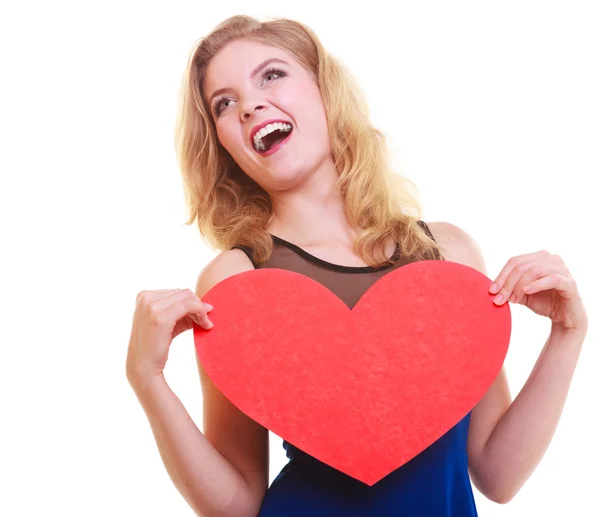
(192, 309)
(153, 295)
(513, 262)
(534, 273)
(562, 283)
(188, 292)
(499, 281)
(507, 287)
(182, 303)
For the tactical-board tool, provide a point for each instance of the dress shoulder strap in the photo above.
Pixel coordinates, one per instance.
(248, 253)
(423, 225)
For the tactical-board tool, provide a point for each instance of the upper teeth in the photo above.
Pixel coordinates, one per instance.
(269, 128)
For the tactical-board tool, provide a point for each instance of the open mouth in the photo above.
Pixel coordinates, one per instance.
(270, 138)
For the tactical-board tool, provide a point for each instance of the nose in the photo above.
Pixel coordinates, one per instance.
(252, 107)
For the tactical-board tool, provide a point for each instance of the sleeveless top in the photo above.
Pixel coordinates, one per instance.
(435, 483)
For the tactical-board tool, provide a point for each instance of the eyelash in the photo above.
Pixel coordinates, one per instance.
(217, 104)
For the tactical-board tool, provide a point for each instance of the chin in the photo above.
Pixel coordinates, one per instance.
(283, 179)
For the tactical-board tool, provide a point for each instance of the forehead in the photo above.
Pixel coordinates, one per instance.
(234, 62)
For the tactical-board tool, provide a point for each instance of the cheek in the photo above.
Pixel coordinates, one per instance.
(305, 105)
(229, 139)
(313, 104)
(316, 118)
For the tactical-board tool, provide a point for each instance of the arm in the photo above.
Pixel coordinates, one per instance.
(520, 438)
(223, 472)
(211, 485)
(507, 439)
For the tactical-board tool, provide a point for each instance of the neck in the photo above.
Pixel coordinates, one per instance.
(312, 211)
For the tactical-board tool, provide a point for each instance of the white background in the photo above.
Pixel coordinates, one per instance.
(491, 108)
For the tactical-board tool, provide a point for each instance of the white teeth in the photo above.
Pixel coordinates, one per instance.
(269, 128)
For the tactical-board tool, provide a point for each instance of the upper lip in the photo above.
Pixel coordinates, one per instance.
(264, 123)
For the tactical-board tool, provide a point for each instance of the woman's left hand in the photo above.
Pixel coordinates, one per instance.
(542, 282)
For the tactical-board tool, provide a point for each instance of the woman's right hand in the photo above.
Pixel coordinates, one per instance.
(159, 317)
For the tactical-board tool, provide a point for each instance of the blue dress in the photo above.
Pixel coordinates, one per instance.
(435, 483)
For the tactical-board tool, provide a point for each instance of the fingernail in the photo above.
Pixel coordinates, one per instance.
(498, 298)
(208, 306)
(210, 324)
(493, 288)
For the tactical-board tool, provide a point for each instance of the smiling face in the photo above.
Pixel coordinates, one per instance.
(247, 84)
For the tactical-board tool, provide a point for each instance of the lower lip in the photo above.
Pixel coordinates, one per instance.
(276, 148)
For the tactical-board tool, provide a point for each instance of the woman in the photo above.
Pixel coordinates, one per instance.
(283, 169)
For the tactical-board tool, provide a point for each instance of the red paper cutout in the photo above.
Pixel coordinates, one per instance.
(363, 390)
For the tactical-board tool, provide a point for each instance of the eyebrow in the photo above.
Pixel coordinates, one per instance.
(252, 74)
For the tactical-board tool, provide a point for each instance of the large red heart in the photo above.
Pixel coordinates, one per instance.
(363, 390)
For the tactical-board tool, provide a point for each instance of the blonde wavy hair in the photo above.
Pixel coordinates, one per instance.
(232, 209)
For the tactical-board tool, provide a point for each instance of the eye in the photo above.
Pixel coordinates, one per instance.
(274, 73)
(219, 105)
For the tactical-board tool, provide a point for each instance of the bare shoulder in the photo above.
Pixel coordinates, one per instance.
(224, 265)
(458, 245)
